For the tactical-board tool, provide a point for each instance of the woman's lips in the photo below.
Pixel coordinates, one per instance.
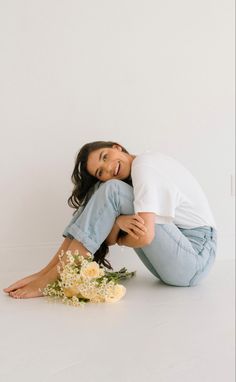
(117, 169)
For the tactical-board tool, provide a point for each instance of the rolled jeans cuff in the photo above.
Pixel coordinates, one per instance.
(66, 234)
(76, 233)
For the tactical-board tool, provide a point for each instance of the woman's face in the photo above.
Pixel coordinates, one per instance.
(104, 163)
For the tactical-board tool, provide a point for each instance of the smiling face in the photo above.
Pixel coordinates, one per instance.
(104, 163)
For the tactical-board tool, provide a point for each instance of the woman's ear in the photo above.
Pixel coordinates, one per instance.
(117, 147)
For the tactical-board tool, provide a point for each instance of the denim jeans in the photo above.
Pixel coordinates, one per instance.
(176, 256)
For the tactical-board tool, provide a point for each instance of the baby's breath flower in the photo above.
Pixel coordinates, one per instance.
(82, 280)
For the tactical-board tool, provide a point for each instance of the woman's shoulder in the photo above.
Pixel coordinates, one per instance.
(149, 157)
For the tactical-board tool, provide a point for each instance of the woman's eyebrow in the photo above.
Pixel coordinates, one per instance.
(100, 156)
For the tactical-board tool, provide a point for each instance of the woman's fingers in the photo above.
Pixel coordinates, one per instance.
(133, 224)
(137, 217)
(137, 232)
(139, 221)
(132, 234)
(142, 227)
(139, 227)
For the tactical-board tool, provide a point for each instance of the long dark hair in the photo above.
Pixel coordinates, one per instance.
(85, 185)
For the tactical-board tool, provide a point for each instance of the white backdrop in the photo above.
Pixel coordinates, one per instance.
(147, 74)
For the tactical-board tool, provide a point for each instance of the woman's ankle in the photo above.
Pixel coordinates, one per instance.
(43, 271)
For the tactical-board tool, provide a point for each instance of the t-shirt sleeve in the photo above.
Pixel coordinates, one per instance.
(153, 193)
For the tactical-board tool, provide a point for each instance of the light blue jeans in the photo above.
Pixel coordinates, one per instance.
(176, 256)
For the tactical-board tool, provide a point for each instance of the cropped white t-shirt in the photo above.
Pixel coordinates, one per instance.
(164, 186)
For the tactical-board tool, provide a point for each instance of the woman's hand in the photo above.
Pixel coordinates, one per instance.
(132, 224)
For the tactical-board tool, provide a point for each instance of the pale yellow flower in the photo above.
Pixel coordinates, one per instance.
(88, 293)
(91, 270)
(117, 292)
(72, 291)
(97, 299)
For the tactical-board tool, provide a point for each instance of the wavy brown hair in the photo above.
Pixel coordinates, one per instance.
(85, 185)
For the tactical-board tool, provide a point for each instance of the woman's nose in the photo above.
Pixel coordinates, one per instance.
(108, 168)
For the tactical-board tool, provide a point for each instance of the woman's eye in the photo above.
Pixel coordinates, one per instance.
(105, 156)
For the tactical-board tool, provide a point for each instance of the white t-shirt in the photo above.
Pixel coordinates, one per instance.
(164, 186)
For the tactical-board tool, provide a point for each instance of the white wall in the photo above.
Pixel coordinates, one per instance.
(147, 74)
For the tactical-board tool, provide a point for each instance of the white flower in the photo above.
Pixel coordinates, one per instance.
(117, 292)
(89, 293)
(101, 272)
(83, 279)
(91, 270)
(97, 298)
(72, 291)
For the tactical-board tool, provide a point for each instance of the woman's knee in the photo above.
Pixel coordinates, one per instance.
(117, 193)
(116, 187)
(109, 189)
(114, 184)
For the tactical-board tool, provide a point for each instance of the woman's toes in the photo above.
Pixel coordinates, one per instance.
(12, 294)
(8, 289)
(11, 288)
(16, 293)
(20, 293)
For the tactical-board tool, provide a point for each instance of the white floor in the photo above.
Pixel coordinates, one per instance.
(156, 333)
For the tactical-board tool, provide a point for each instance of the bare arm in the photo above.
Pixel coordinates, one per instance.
(133, 225)
(142, 240)
(129, 241)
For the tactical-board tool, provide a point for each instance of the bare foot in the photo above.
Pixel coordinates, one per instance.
(22, 282)
(35, 287)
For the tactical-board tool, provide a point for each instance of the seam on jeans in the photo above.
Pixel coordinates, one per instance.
(178, 243)
(87, 233)
(192, 279)
(202, 270)
(150, 264)
(99, 216)
(209, 258)
(121, 193)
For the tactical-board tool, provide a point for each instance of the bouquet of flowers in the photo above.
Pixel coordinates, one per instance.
(82, 280)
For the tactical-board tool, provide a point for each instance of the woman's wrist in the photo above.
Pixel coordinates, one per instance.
(119, 241)
(116, 223)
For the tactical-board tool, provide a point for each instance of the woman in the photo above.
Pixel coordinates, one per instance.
(149, 202)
